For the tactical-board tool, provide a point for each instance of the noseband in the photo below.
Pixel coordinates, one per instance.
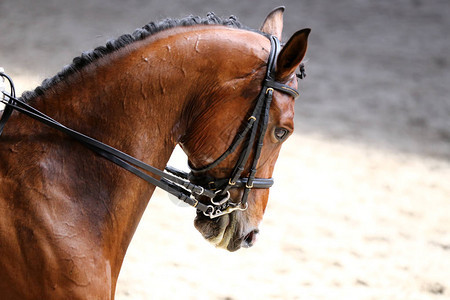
(189, 187)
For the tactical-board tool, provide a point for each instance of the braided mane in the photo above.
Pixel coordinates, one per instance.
(113, 45)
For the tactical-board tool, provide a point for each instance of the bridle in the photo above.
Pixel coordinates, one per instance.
(189, 188)
(258, 119)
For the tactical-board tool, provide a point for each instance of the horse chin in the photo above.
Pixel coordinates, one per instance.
(221, 231)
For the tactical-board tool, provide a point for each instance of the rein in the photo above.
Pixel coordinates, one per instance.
(189, 188)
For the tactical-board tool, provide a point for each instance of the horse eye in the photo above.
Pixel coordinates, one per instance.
(281, 133)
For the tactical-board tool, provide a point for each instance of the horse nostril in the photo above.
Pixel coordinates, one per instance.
(250, 239)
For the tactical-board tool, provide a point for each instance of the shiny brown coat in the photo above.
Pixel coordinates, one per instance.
(67, 215)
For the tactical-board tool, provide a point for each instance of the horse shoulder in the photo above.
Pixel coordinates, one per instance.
(43, 253)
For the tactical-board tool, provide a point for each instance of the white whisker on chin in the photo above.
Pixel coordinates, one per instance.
(228, 233)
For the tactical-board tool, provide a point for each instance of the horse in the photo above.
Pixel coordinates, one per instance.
(67, 214)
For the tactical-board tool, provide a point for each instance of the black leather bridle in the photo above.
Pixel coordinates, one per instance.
(189, 188)
(255, 129)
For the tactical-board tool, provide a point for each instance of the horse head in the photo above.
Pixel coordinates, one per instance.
(215, 123)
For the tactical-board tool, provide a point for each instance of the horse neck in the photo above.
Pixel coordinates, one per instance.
(132, 101)
(122, 102)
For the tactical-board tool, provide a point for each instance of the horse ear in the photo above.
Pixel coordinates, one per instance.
(292, 54)
(273, 24)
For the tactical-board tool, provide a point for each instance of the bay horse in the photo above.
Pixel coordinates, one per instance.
(67, 214)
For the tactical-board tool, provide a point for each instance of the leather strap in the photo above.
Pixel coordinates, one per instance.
(8, 110)
(122, 159)
(282, 88)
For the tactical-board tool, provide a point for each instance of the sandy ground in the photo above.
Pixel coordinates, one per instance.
(361, 204)
(351, 223)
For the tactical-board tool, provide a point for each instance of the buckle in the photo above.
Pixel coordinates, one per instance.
(222, 201)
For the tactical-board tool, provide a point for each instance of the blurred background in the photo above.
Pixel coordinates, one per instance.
(361, 208)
